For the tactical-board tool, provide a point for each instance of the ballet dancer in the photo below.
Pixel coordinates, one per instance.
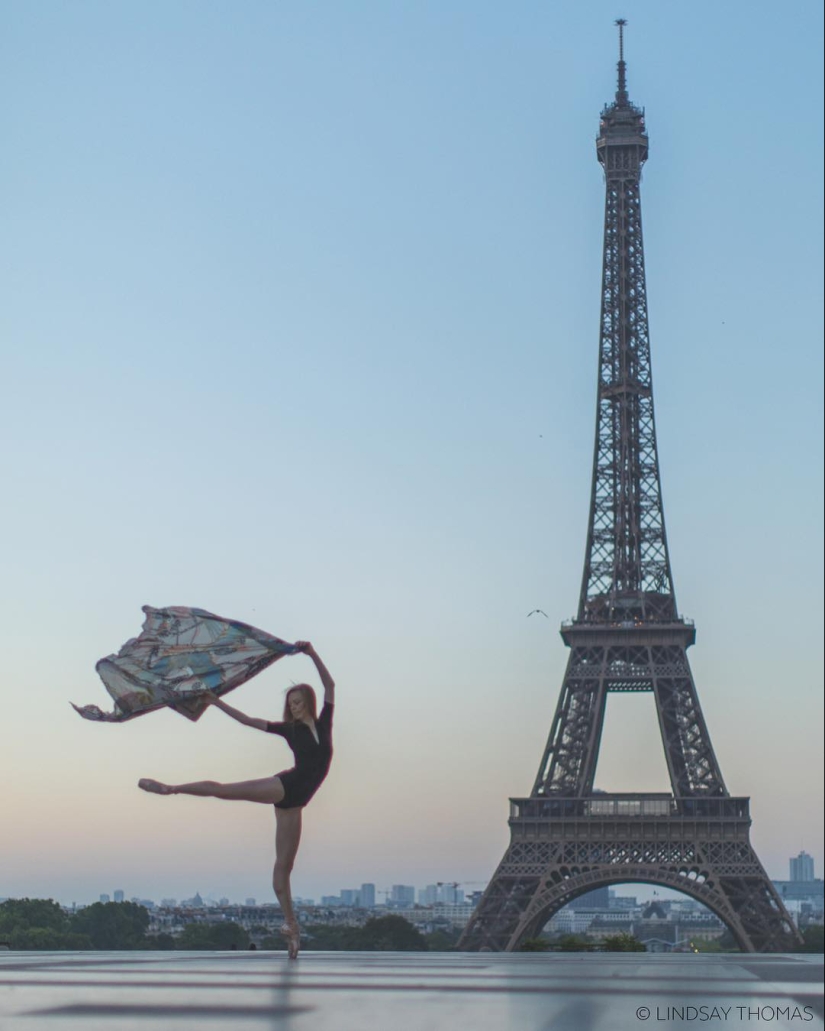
(310, 738)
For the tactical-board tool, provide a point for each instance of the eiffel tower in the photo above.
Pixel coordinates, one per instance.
(566, 839)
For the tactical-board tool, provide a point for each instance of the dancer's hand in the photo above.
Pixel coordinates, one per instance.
(323, 672)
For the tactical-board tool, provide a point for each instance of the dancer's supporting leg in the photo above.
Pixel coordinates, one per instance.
(287, 832)
(268, 790)
(287, 839)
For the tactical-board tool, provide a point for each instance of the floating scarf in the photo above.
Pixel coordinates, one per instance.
(181, 654)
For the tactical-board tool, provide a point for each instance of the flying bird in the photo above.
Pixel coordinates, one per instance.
(529, 614)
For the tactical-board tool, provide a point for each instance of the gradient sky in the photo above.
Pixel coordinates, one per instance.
(300, 325)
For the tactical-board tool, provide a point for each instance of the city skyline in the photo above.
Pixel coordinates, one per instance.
(638, 888)
(301, 312)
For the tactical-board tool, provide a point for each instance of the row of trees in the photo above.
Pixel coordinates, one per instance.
(813, 935)
(42, 924)
(575, 943)
(382, 934)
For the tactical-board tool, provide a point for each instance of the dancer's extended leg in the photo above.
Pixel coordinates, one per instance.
(267, 790)
(287, 839)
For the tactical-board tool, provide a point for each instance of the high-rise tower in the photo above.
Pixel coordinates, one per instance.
(627, 637)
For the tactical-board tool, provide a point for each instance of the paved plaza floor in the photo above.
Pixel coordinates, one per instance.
(391, 991)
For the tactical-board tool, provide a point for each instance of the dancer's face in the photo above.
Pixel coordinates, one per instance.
(297, 705)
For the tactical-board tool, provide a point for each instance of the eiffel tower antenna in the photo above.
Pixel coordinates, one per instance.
(621, 91)
(627, 636)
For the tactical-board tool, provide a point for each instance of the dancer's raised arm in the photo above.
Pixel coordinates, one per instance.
(236, 714)
(323, 672)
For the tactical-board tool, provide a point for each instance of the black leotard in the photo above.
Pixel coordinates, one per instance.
(312, 758)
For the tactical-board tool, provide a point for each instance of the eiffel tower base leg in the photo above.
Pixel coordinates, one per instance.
(700, 847)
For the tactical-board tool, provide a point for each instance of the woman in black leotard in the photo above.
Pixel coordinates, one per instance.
(310, 739)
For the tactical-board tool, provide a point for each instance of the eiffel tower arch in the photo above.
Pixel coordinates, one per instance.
(566, 838)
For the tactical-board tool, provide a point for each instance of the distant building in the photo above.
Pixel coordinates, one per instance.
(439, 914)
(250, 902)
(258, 921)
(350, 897)
(169, 903)
(804, 900)
(105, 898)
(659, 929)
(330, 900)
(701, 927)
(608, 924)
(428, 896)
(654, 911)
(685, 907)
(667, 935)
(598, 899)
(572, 921)
(802, 867)
(801, 891)
(402, 895)
(623, 902)
(223, 902)
(119, 895)
(368, 896)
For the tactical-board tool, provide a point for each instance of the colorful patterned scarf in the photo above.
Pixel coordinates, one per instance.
(181, 654)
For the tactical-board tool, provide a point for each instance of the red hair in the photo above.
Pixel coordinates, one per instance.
(309, 701)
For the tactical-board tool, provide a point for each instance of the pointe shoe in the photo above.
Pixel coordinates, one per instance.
(154, 786)
(293, 939)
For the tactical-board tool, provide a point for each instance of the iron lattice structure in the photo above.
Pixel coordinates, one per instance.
(565, 839)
